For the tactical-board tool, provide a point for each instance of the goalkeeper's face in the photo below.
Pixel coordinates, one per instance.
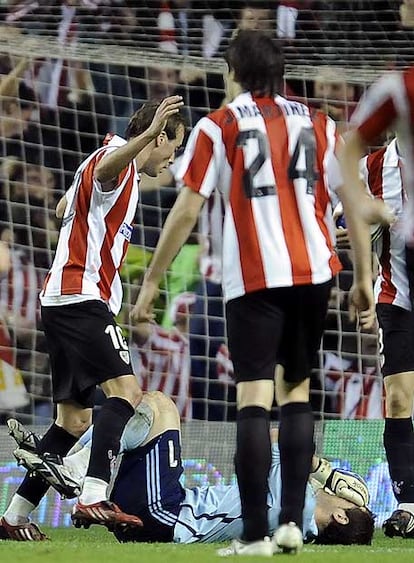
(331, 507)
(340, 521)
(163, 154)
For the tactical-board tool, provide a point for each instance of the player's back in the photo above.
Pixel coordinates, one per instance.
(275, 172)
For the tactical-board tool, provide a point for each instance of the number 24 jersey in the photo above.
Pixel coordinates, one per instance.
(275, 167)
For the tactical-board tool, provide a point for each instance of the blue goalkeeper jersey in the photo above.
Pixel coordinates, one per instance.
(213, 513)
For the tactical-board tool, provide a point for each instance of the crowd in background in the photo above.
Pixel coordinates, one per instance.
(55, 112)
(314, 30)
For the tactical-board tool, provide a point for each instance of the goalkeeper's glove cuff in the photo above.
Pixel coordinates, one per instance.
(322, 472)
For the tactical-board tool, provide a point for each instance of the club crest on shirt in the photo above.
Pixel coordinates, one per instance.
(126, 231)
(124, 354)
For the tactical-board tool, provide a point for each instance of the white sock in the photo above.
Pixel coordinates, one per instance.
(94, 490)
(78, 463)
(18, 510)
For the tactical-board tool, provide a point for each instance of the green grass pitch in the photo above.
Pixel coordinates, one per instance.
(98, 546)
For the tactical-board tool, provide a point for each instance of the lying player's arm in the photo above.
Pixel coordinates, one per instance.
(108, 169)
(339, 482)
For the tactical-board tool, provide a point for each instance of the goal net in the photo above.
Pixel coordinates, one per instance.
(73, 72)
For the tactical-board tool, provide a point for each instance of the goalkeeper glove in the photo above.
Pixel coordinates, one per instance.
(342, 483)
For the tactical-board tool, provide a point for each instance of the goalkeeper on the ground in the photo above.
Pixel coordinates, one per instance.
(148, 485)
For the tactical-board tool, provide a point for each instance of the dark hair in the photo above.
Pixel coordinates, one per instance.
(359, 529)
(257, 61)
(143, 117)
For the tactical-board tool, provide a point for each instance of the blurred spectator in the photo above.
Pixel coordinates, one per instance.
(162, 82)
(334, 96)
(19, 291)
(13, 394)
(287, 14)
(248, 14)
(161, 357)
(20, 130)
(179, 27)
(256, 15)
(27, 208)
(204, 92)
(354, 387)
(407, 13)
(53, 137)
(20, 339)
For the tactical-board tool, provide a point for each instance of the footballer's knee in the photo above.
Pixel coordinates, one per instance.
(255, 393)
(125, 387)
(398, 405)
(79, 426)
(163, 402)
(399, 395)
(74, 420)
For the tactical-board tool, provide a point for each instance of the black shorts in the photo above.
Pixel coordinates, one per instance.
(276, 326)
(86, 348)
(148, 485)
(396, 339)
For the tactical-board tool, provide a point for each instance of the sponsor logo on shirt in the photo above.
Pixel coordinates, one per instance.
(126, 231)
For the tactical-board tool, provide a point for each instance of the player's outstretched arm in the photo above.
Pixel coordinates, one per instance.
(109, 167)
(178, 226)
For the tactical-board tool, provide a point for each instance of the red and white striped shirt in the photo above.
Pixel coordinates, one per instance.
(263, 154)
(163, 364)
(19, 289)
(210, 227)
(94, 237)
(389, 103)
(382, 173)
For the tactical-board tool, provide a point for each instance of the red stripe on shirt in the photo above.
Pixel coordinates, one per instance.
(375, 163)
(375, 166)
(289, 211)
(378, 121)
(113, 222)
(241, 207)
(194, 176)
(72, 274)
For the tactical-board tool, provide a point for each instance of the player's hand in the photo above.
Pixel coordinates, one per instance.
(349, 486)
(342, 483)
(342, 239)
(143, 308)
(168, 107)
(362, 304)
